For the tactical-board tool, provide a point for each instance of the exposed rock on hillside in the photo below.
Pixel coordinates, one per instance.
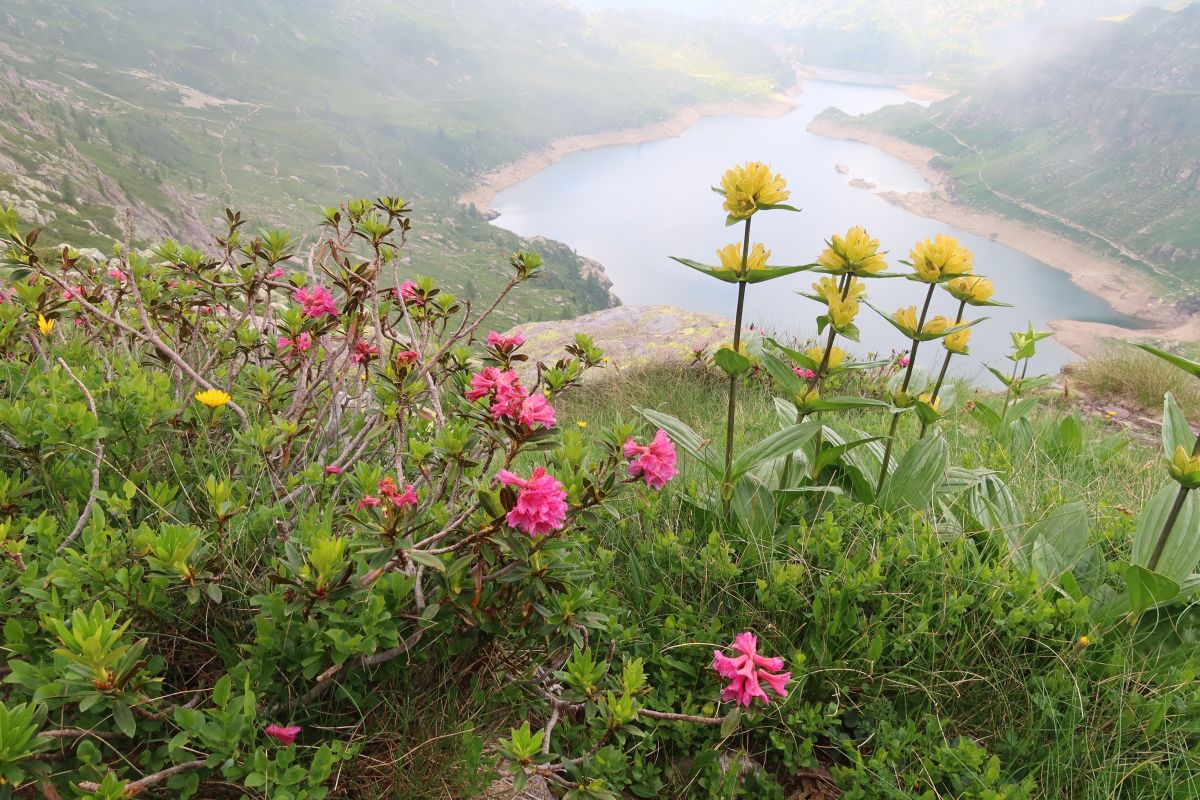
(631, 336)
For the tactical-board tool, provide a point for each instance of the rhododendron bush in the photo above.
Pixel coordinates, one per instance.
(242, 484)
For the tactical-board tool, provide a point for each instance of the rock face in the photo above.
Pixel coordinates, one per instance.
(631, 336)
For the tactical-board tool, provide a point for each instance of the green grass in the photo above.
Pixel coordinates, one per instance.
(1128, 375)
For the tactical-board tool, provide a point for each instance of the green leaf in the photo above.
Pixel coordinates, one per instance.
(730, 723)
(733, 363)
(776, 445)
(1147, 589)
(427, 559)
(123, 718)
(917, 475)
(1176, 432)
(1185, 364)
(1059, 541)
(790, 382)
(846, 403)
(1182, 550)
(752, 276)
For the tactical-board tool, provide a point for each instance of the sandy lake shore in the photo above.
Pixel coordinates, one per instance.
(488, 185)
(1110, 280)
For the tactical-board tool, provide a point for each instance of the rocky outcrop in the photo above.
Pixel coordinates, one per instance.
(631, 336)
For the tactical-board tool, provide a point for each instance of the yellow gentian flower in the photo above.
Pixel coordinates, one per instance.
(939, 258)
(856, 252)
(1185, 468)
(906, 318)
(973, 289)
(749, 186)
(935, 326)
(45, 325)
(836, 356)
(931, 401)
(842, 312)
(827, 287)
(731, 257)
(957, 342)
(213, 398)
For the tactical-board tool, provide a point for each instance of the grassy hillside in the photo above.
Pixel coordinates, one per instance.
(1095, 124)
(179, 109)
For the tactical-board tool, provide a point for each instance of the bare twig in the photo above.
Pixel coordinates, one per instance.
(133, 789)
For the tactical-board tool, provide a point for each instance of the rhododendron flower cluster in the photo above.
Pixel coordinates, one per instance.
(301, 344)
(316, 302)
(388, 490)
(509, 399)
(117, 274)
(504, 343)
(407, 357)
(408, 293)
(807, 374)
(747, 669)
(363, 351)
(541, 506)
(275, 274)
(655, 462)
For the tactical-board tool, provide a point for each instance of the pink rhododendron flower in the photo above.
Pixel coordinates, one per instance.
(535, 409)
(72, 293)
(804, 373)
(302, 343)
(117, 274)
(905, 361)
(5, 294)
(655, 462)
(541, 502)
(408, 293)
(504, 343)
(744, 671)
(368, 502)
(316, 302)
(406, 357)
(363, 352)
(389, 489)
(333, 469)
(275, 273)
(285, 735)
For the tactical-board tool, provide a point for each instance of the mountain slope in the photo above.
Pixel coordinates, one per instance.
(178, 108)
(1096, 125)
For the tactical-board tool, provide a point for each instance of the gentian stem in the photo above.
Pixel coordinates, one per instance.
(727, 489)
(937, 387)
(1172, 518)
(912, 362)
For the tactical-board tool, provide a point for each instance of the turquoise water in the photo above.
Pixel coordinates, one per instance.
(630, 207)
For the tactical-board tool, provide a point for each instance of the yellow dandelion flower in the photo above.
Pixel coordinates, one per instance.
(45, 325)
(751, 185)
(940, 258)
(856, 252)
(213, 398)
(731, 257)
(973, 289)
(582, 423)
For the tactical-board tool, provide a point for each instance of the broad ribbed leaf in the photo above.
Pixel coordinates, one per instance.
(917, 475)
(1176, 432)
(681, 434)
(1148, 588)
(1059, 540)
(1182, 550)
(776, 445)
(1185, 364)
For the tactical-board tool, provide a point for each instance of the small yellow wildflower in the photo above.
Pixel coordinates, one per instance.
(941, 257)
(213, 398)
(1083, 641)
(731, 257)
(857, 252)
(1185, 468)
(836, 356)
(546, 392)
(842, 312)
(1111, 413)
(957, 342)
(828, 287)
(974, 289)
(582, 423)
(748, 186)
(45, 325)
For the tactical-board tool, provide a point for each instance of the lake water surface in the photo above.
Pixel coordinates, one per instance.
(630, 207)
